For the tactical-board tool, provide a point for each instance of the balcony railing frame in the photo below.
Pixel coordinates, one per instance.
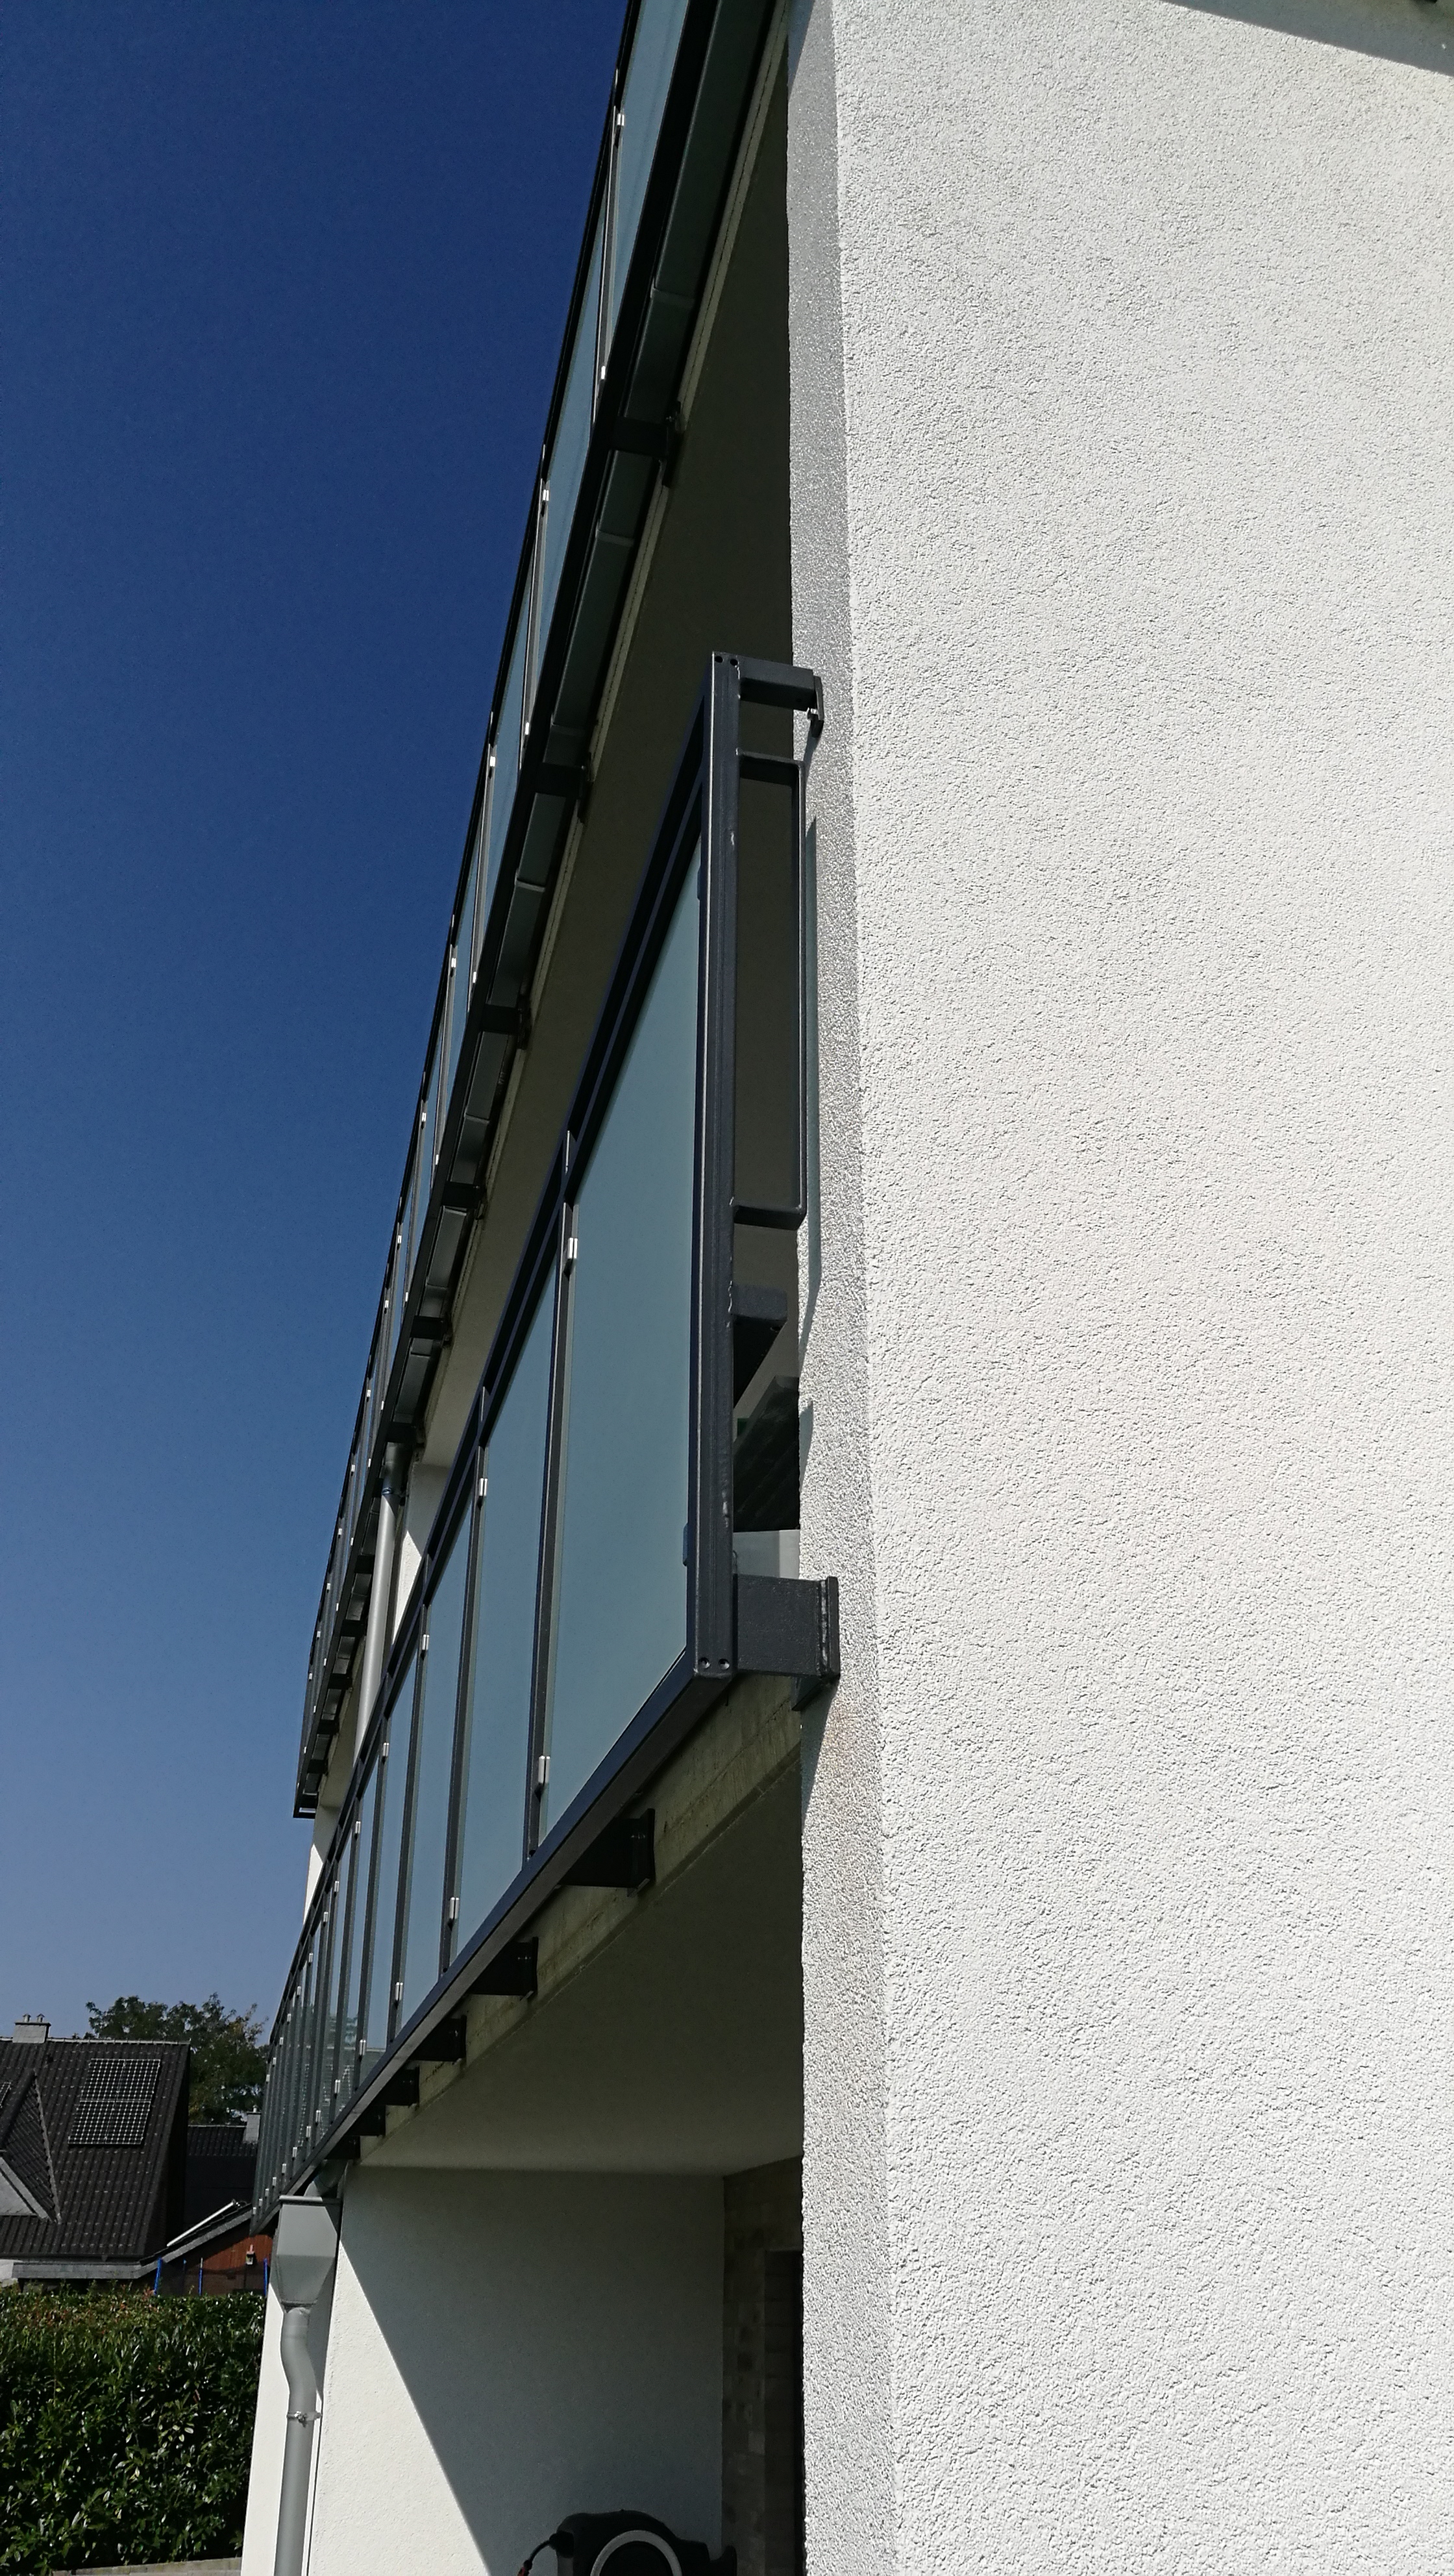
(637, 371)
(734, 1623)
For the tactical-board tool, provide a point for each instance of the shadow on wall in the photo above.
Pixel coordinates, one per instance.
(1420, 32)
(507, 2348)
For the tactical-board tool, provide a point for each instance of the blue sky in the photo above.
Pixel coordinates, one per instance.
(281, 293)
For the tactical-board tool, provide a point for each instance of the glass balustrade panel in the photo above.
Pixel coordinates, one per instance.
(300, 2068)
(481, 874)
(303, 2097)
(277, 2090)
(427, 1134)
(317, 2079)
(295, 2077)
(335, 1572)
(620, 1616)
(371, 1409)
(330, 1941)
(337, 1982)
(296, 2109)
(399, 1265)
(267, 2161)
(572, 438)
(648, 79)
(279, 2142)
(454, 1025)
(496, 1747)
(423, 1899)
(393, 1779)
(363, 1843)
(286, 2087)
(464, 950)
(507, 756)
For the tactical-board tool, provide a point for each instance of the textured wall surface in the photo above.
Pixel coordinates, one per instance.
(508, 2348)
(1123, 528)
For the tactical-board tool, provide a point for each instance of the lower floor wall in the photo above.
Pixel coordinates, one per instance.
(505, 2349)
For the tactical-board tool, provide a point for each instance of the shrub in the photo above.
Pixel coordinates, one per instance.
(125, 2426)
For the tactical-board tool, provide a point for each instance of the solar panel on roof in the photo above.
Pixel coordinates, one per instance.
(114, 2102)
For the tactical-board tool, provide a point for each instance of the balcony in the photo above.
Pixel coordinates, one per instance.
(685, 84)
(613, 1547)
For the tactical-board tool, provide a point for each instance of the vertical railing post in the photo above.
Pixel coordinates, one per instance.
(710, 1487)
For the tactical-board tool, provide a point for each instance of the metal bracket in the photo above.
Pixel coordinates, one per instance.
(623, 1856)
(400, 2093)
(788, 1627)
(560, 778)
(659, 439)
(510, 1972)
(444, 2045)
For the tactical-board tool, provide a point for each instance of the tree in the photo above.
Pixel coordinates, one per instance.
(228, 2061)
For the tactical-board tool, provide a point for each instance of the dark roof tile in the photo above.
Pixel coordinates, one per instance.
(94, 2119)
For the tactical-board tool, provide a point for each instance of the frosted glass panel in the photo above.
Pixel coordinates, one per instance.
(621, 1596)
(507, 757)
(459, 989)
(375, 1390)
(337, 1972)
(399, 1271)
(572, 437)
(433, 1762)
(648, 78)
(297, 2032)
(363, 1844)
(497, 1712)
(307, 2037)
(392, 1779)
(426, 1158)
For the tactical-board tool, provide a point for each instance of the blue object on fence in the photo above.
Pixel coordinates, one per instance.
(156, 2287)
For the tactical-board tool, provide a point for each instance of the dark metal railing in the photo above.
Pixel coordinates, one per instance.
(680, 93)
(519, 1722)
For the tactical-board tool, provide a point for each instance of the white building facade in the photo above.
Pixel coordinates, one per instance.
(877, 1971)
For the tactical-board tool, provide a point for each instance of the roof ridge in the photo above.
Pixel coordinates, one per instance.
(96, 2039)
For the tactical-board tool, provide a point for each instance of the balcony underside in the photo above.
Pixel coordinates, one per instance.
(666, 2033)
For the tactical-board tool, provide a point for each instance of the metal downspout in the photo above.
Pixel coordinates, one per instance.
(298, 2442)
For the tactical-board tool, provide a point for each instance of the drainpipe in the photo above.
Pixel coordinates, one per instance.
(305, 2246)
(297, 2443)
(376, 1635)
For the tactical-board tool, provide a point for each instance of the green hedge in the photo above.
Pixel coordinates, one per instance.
(125, 2426)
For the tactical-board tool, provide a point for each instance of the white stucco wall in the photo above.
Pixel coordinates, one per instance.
(506, 2348)
(1123, 349)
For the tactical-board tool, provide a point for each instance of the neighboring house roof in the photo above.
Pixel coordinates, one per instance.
(92, 2146)
(221, 2164)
